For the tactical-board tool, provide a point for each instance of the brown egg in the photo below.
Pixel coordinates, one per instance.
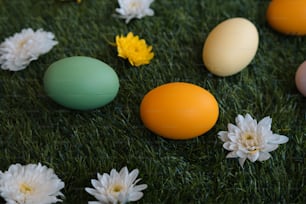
(300, 78)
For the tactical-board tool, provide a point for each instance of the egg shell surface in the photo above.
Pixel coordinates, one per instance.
(287, 16)
(81, 83)
(179, 110)
(300, 78)
(230, 46)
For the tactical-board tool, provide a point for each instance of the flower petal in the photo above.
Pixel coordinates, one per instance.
(264, 156)
(132, 176)
(140, 187)
(232, 155)
(222, 135)
(227, 146)
(233, 137)
(241, 154)
(278, 139)
(134, 196)
(269, 147)
(233, 128)
(265, 122)
(241, 161)
(253, 156)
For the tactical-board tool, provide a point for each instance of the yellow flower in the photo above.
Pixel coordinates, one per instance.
(134, 49)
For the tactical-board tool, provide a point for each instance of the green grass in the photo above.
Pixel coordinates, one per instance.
(78, 144)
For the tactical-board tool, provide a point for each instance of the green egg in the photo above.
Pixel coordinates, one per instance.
(81, 83)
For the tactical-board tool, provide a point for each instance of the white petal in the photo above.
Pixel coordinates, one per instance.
(233, 128)
(248, 124)
(91, 191)
(265, 122)
(222, 135)
(264, 156)
(149, 12)
(133, 175)
(233, 137)
(270, 147)
(265, 133)
(134, 196)
(105, 179)
(113, 173)
(230, 146)
(140, 187)
(241, 154)
(227, 146)
(248, 118)
(254, 156)
(241, 161)
(95, 183)
(279, 139)
(96, 194)
(239, 119)
(232, 155)
(124, 173)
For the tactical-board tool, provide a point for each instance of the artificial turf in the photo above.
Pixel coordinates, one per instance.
(78, 144)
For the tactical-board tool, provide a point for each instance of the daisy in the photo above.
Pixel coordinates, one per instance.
(17, 51)
(30, 184)
(134, 49)
(250, 140)
(130, 9)
(115, 188)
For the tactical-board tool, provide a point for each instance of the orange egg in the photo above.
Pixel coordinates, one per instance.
(179, 110)
(288, 16)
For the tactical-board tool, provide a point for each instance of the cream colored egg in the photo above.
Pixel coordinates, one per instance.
(230, 46)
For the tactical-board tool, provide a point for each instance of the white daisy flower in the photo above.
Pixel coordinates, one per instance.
(30, 184)
(249, 140)
(130, 9)
(115, 188)
(17, 51)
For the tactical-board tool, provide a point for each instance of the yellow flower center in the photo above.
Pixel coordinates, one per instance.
(249, 137)
(25, 188)
(117, 188)
(135, 4)
(250, 142)
(23, 42)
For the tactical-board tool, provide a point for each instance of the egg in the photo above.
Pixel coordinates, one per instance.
(300, 78)
(81, 83)
(230, 46)
(179, 110)
(287, 16)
